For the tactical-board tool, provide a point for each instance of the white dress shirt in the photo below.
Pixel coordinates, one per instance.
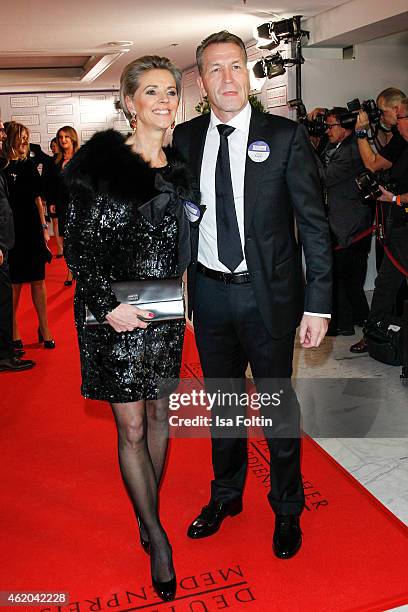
(237, 145)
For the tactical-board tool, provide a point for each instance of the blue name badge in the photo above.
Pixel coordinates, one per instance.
(259, 151)
(192, 211)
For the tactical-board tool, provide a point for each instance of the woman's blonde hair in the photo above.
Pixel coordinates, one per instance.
(130, 78)
(15, 133)
(72, 133)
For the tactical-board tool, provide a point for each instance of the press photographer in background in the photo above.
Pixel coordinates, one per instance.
(384, 134)
(389, 278)
(348, 219)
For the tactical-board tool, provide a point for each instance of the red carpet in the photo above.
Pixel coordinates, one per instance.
(67, 524)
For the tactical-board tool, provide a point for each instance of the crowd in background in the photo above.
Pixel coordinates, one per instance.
(33, 188)
(353, 150)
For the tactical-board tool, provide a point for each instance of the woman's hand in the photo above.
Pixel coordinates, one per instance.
(126, 318)
(386, 195)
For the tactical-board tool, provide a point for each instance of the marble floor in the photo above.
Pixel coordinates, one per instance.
(373, 445)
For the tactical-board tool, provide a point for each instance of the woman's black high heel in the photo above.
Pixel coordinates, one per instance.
(48, 344)
(18, 344)
(144, 543)
(166, 590)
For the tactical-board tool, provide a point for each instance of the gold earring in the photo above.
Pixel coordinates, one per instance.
(133, 121)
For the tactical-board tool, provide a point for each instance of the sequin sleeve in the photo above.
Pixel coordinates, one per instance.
(88, 236)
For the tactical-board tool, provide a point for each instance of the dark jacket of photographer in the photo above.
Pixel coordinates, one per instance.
(348, 216)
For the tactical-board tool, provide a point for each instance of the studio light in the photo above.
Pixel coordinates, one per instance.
(270, 67)
(270, 35)
(266, 37)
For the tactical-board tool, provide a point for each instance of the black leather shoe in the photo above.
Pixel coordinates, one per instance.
(210, 518)
(359, 347)
(18, 344)
(14, 364)
(287, 537)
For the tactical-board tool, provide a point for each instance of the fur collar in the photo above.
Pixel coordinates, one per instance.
(105, 164)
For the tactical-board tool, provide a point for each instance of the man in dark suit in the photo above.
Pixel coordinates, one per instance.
(348, 218)
(245, 286)
(9, 360)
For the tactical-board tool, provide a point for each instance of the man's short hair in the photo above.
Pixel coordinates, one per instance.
(337, 112)
(404, 104)
(391, 96)
(218, 37)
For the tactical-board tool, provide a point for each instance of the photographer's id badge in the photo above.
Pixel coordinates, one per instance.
(258, 151)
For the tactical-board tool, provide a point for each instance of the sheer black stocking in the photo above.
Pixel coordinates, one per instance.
(157, 426)
(139, 475)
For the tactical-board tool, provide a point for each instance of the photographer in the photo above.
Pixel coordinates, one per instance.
(348, 219)
(389, 278)
(388, 102)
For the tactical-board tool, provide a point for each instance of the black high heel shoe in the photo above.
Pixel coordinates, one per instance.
(48, 344)
(166, 590)
(18, 344)
(144, 543)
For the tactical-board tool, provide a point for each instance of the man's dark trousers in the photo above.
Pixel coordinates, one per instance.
(6, 311)
(230, 334)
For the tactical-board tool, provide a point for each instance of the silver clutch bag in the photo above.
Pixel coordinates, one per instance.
(163, 297)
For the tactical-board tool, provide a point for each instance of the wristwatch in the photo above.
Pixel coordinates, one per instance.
(44, 226)
(361, 133)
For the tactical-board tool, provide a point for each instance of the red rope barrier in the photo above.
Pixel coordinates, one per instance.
(387, 251)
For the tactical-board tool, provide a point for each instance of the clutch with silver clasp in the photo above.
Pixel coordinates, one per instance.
(164, 297)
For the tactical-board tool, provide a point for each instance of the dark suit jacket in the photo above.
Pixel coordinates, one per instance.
(348, 216)
(287, 183)
(6, 217)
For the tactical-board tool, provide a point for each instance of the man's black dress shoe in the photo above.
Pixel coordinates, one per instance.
(359, 347)
(15, 364)
(210, 518)
(287, 537)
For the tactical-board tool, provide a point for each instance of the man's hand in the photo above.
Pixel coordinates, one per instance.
(312, 330)
(1, 257)
(362, 122)
(386, 195)
(316, 111)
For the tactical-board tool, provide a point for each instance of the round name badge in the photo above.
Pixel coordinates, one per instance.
(192, 211)
(259, 151)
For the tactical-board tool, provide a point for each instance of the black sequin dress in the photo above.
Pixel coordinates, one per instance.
(28, 256)
(125, 221)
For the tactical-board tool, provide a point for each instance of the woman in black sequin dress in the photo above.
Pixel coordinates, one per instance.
(126, 221)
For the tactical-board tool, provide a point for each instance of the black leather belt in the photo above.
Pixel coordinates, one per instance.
(236, 278)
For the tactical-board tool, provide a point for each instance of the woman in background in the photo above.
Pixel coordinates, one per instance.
(28, 256)
(50, 180)
(68, 145)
